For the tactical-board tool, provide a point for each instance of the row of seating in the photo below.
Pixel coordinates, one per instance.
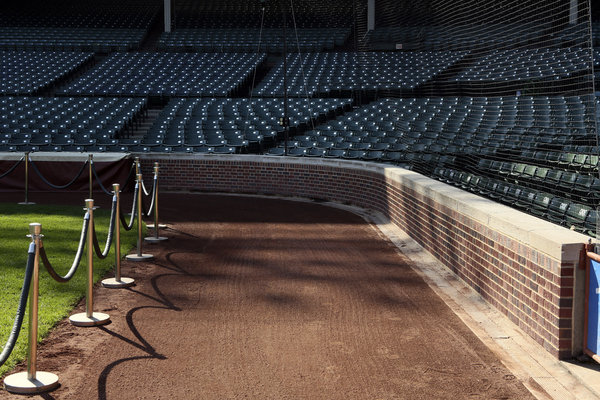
(61, 121)
(458, 37)
(239, 123)
(562, 211)
(242, 13)
(252, 40)
(469, 123)
(527, 64)
(166, 74)
(582, 159)
(99, 40)
(332, 73)
(112, 14)
(26, 72)
(579, 186)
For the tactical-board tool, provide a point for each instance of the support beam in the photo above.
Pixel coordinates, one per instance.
(167, 15)
(573, 11)
(371, 15)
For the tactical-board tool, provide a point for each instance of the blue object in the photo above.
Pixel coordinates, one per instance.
(593, 339)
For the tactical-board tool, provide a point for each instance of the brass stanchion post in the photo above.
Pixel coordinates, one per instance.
(90, 318)
(32, 381)
(26, 202)
(90, 172)
(139, 256)
(117, 281)
(156, 238)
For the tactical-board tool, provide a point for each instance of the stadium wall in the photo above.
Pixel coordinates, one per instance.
(526, 267)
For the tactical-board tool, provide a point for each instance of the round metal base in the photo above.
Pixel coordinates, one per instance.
(19, 383)
(135, 257)
(82, 319)
(154, 239)
(160, 226)
(113, 283)
(26, 203)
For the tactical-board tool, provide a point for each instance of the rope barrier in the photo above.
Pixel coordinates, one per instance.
(78, 255)
(144, 189)
(149, 209)
(89, 317)
(102, 254)
(153, 194)
(118, 281)
(156, 238)
(129, 226)
(98, 179)
(14, 333)
(130, 177)
(11, 169)
(139, 256)
(57, 186)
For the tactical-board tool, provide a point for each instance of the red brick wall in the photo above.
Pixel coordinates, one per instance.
(535, 290)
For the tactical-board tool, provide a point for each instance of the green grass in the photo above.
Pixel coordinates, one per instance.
(61, 227)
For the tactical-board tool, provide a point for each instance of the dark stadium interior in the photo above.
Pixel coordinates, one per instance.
(502, 105)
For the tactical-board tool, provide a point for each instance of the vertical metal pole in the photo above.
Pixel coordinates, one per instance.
(32, 381)
(117, 193)
(89, 301)
(26, 177)
(139, 214)
(90, 166)
(167, 15)
(35, 230)
(137, 166)
(89, 317)
(285, 88)
(139, 256)
(118, 281)
(156, 200)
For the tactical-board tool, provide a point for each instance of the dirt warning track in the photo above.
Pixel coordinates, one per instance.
(255, 298)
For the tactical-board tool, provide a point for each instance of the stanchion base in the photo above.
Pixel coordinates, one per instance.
(19, 383)
(154, 239)
(82, 319)
(113, 283)
(160, 226)
(26, 203)
(135, 257)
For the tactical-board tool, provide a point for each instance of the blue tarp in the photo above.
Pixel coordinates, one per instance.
(593, 338)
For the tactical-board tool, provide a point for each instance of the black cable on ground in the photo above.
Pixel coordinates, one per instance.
(102, 254)
(11, 169)
(14, 333)
(78, 255)
(57, 186)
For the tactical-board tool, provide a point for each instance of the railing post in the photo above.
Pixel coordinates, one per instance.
(26, 202)
(32, 381)
(117, 281)
(139, 256)
(89, 318)
(156, 238)
(90, 172)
